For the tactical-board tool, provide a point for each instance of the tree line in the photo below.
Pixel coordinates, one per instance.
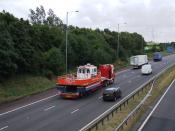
(37, 46)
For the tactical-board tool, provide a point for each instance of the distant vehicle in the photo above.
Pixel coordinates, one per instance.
(146, 69)
(170, 49)
(86, 80)
(112, 93)
(138, 60)
(157, 56)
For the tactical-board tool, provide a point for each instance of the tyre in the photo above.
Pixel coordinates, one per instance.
(105, 84)
(104, 99)
(115, 98)
(120, 95)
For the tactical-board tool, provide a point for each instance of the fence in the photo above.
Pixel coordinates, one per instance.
(110, 112)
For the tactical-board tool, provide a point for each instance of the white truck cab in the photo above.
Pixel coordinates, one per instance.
(146, 69)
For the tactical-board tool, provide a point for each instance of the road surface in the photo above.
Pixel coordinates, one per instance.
(163, 117)
(55, 114)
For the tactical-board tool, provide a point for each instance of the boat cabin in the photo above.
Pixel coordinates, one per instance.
(86, 72)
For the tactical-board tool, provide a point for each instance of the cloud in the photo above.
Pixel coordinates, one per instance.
(154, 19)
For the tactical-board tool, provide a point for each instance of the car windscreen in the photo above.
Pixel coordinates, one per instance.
(108, 91)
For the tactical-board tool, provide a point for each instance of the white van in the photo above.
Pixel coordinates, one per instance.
(146, 69)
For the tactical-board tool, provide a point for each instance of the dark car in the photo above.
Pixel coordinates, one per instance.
(112, 93)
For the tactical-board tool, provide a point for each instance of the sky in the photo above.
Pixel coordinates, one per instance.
(154, 19)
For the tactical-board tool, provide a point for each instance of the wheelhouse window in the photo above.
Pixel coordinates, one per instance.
(79, 71)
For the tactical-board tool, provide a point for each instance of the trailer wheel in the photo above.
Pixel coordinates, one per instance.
(81, 95)
(105, 84)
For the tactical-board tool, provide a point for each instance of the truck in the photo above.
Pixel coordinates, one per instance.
(170, 49)
(138, 60)
(157, 56)
(87, 79)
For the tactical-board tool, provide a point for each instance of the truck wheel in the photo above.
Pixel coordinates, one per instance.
(105, 84)
(115, 98)
(81, 95)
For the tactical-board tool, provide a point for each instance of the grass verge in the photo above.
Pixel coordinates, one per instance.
(119, 116)
(119, 65)
(160, 85)
(21, 86)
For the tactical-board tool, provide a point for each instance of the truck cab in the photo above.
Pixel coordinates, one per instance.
(157, 56)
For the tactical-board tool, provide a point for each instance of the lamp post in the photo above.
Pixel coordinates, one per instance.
(67, 20)
(118, 40)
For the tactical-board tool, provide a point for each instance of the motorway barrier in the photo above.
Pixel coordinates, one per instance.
(110, 112)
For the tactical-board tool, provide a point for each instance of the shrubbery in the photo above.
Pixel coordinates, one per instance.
(38, 46)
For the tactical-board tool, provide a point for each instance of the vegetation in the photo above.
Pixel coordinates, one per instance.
(160, 85)
(21, 86)
(37, 46)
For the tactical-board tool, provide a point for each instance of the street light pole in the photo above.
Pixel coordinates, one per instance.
(118, 41)
(67, 20)
(67, 13)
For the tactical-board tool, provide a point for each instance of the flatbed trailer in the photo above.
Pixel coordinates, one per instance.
(87, 80)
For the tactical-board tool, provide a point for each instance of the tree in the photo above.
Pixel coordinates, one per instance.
(54, 61)
(53, 20)
(38, 16)
(40, 47)
(7, 53)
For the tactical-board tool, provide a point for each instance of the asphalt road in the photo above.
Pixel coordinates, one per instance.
(55, 114)
(163, 117)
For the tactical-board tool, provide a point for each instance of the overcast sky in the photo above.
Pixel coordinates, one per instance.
(154, 19)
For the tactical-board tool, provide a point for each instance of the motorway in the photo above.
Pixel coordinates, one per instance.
(54, 113)
(162, 117)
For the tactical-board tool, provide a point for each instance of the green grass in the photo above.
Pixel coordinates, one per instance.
(119, 116)
(120, 65)
(160, 85)
(23, 85)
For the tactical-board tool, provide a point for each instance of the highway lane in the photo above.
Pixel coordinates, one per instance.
(162, 118)
(56, 113)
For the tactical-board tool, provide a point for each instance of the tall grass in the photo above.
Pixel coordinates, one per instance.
(23, 85)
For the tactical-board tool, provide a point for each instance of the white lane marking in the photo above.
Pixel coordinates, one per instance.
(49, 108)
(100, 97)
(129, 81)
(3, 128)
(74, 111)
(122, 71)
(132, 72)
(28, 105)
(146, 120)
(83, 128)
